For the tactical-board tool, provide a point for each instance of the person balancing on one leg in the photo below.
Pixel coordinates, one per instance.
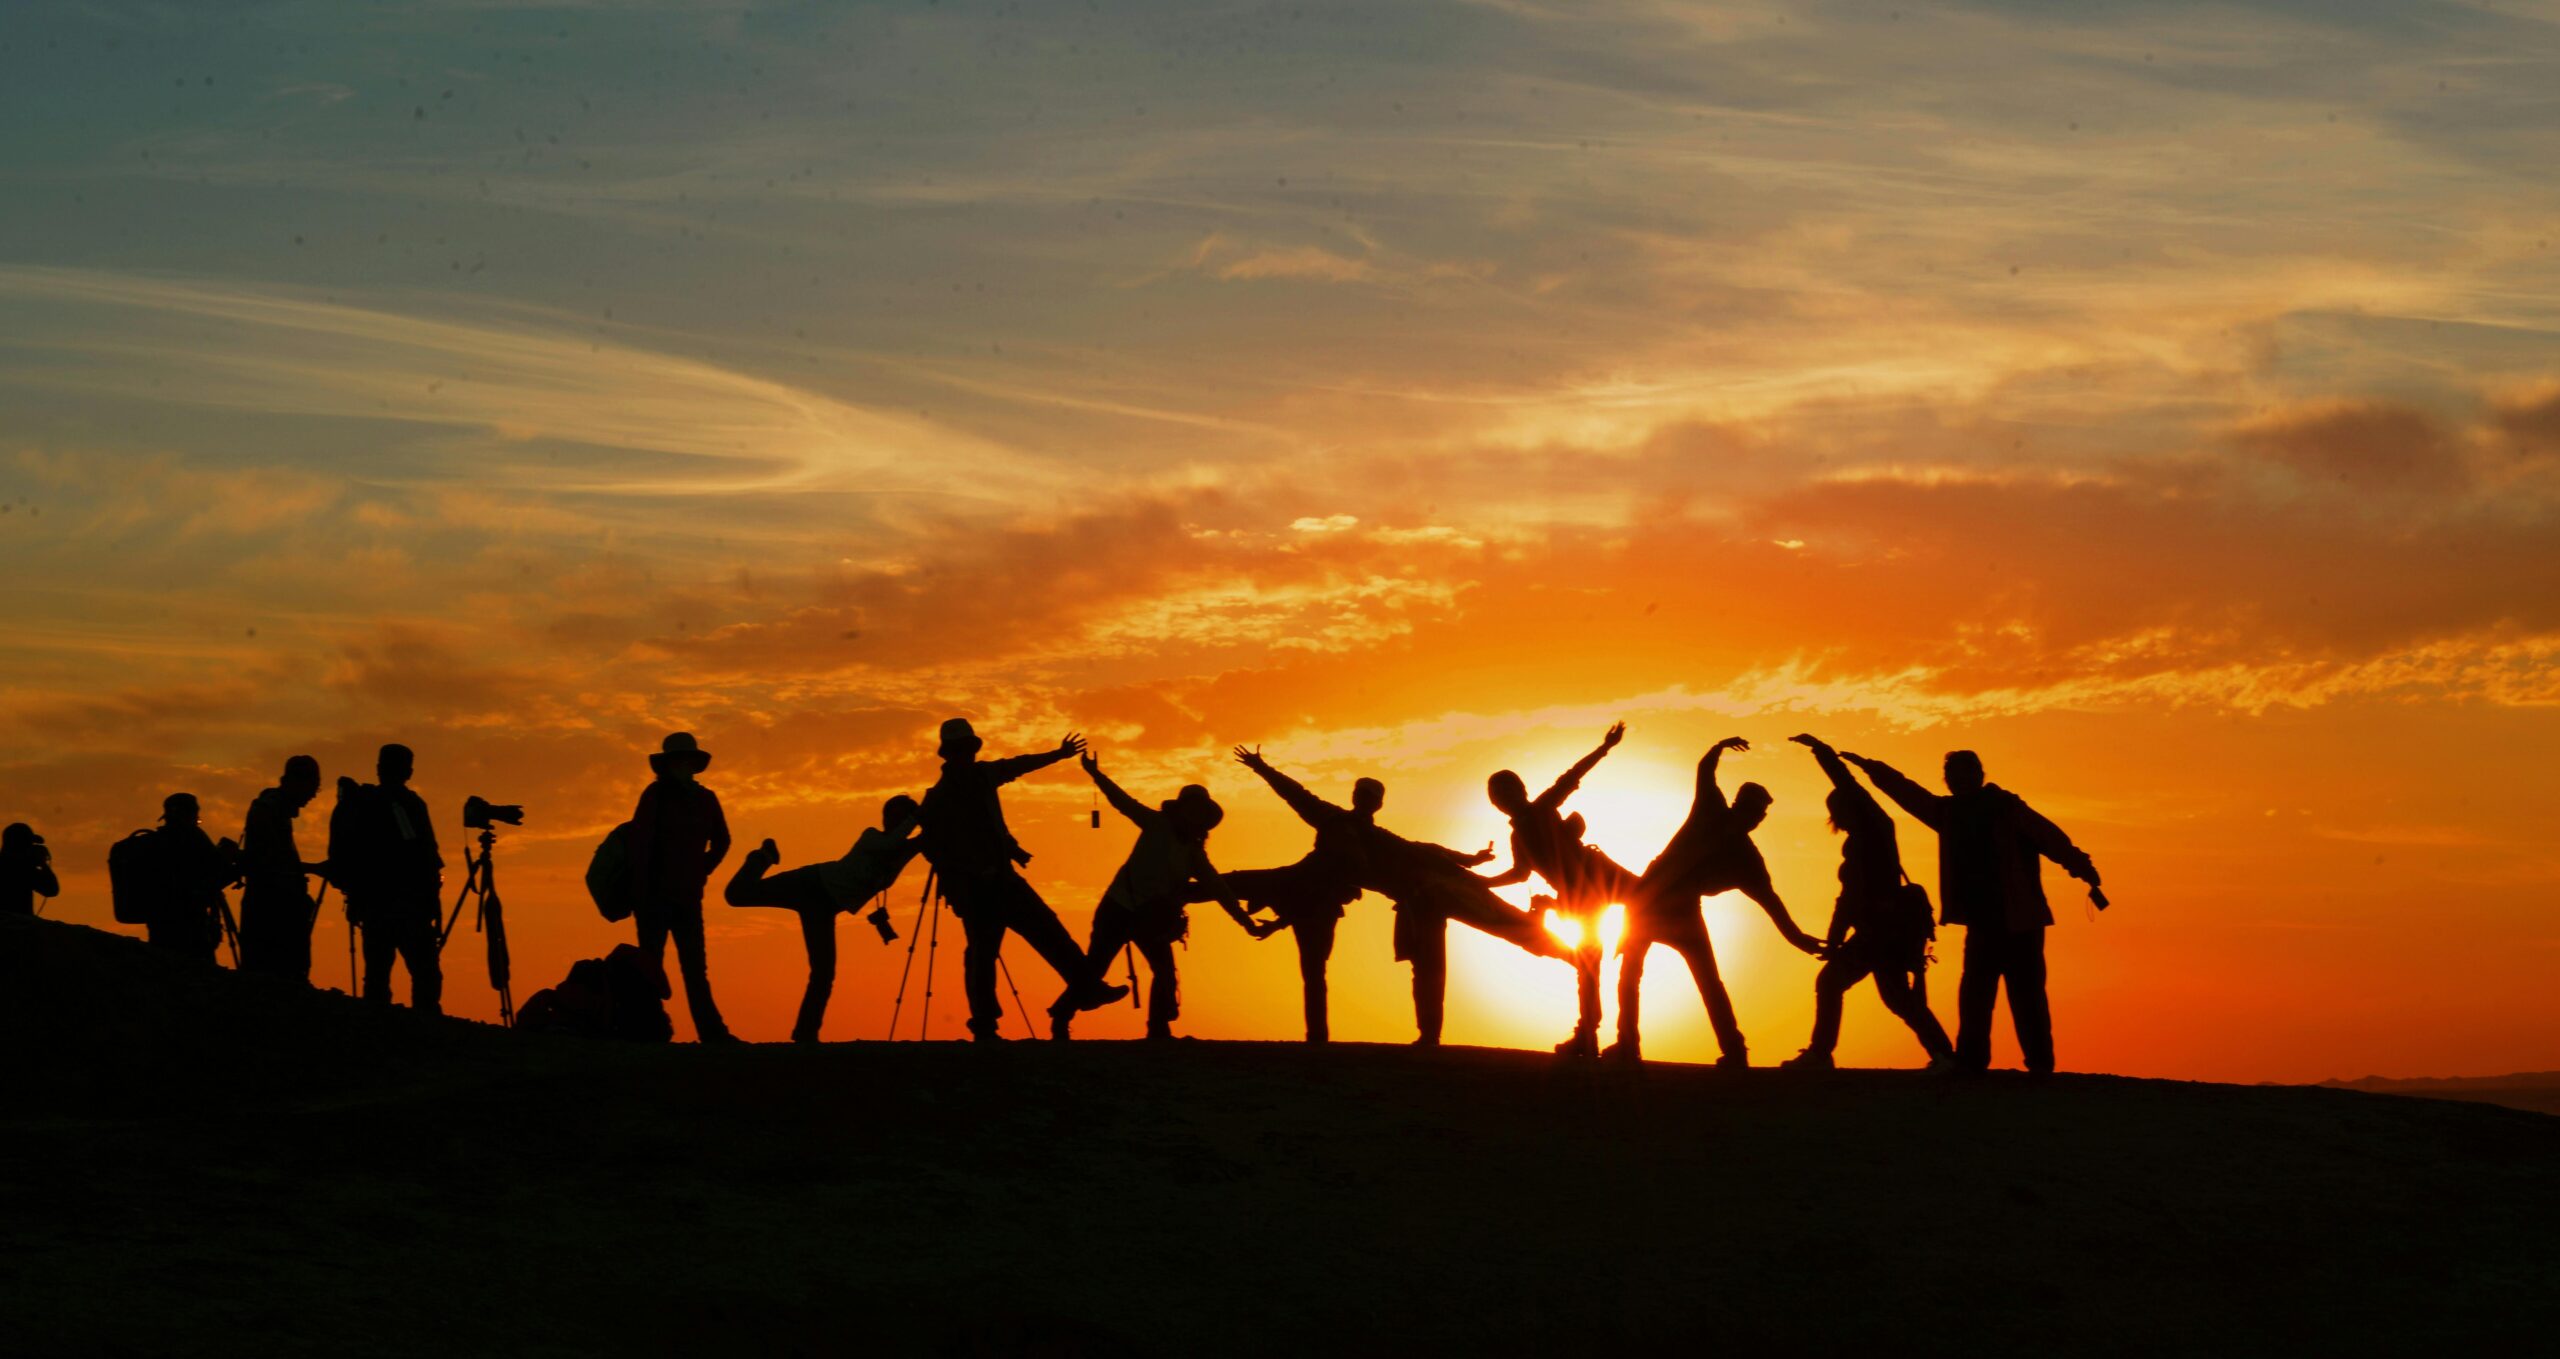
(1144, 904)
(1880, 925)
(978, 863)
(817, 892)
(1585, 881)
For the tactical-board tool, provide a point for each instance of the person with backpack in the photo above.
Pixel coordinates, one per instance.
(1880, 924)
(276, 906)
(384, 844)
(171, 881)
(817, 892)
(978, 864)
(678, 836)
(1143, 906)
(1991, 852)
(26, 870)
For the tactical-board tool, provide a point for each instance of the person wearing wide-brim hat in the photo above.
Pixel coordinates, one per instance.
(26, 870)
(678, 836)
(1144, 904)
(977, 861)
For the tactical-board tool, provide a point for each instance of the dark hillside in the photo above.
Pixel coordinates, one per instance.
(190, 1163)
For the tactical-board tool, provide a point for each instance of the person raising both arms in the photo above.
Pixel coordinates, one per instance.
(1144, 904)
(1585, 881)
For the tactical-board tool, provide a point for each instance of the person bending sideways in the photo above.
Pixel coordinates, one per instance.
(818, 892)
(1880, 924)
(1143, 907)
(1712, 852)
(1991, 852)
(1428, 884)
(1585, 881)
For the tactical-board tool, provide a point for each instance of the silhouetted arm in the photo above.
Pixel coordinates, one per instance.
(719, 832)
(1519, 870)
(46, 884)
(1138, 812)
(1013, 767)
(1756, 885)
(1709, 794)
(1836, 770)
(1571, 779)
(1929, 809)
(1313, 810)
(2050, 841)
(1460, 857)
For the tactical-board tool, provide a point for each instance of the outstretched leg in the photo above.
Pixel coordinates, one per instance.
(1906, 995)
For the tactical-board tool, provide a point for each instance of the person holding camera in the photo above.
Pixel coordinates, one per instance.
(816, 892)
(384, 845)
(1991, 852)
(978, 863)
(678, 836)
(26, 870)
(276, 906)
(1880, 924)
(190, 912)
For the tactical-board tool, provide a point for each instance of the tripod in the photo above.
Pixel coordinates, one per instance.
(930, 934)
(480, 879)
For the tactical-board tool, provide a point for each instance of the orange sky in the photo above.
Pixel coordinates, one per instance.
(2164, 403)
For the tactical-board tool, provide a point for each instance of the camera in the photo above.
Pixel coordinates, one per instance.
(478, 813)
(879, 919)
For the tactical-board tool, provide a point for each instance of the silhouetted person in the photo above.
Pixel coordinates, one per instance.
(817, 892)
(1991, 848)
(678, 835)
(1428, 885)
(382, 845)
(1305, 898)
(1710, 853)
(26, 870)
(1585, 881)
(978, 863)
(191, 871)
(1143, 906)
(276, 907)
(1879, 924)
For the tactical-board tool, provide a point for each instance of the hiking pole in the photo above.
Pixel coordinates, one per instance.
(230, 927)
(1017, 996)
(1129, 955)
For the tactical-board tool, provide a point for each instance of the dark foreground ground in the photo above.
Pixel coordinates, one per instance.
(195, 1164)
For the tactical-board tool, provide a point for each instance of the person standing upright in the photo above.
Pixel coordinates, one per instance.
(978, 864)
(276, 907)
(384, 845)
(1991, 848)
(26, 870)
(189, 916)
(678, 836)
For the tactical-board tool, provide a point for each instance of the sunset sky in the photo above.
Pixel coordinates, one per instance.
(2161, 399)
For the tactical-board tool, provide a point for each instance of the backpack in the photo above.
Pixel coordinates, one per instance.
(609, 874)
(137, 877)
(1905, 917)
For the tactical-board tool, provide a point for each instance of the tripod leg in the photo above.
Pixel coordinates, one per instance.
(915, 936)
(932, 951)
(470, 880)
(1017, 996)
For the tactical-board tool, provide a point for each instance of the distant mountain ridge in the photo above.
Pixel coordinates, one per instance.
(2536, 1091)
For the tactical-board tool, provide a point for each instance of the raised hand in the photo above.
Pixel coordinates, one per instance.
(1617, 733)
(1810, 741)
(1092, 766)
(1073, 745)
(1251, 759)
(1733, 743)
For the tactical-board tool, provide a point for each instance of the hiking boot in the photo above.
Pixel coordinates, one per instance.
(1061, 1026)
(767, 853)
(1808, 1060)
(1093, 996)
(985, 1035)
(1940, 1063)
(804, 1035)
(1625, 1050)
(1737, 1060)
(1579, 1045)
(1428, 1041)
(1159, 1034)
(717, 1038)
